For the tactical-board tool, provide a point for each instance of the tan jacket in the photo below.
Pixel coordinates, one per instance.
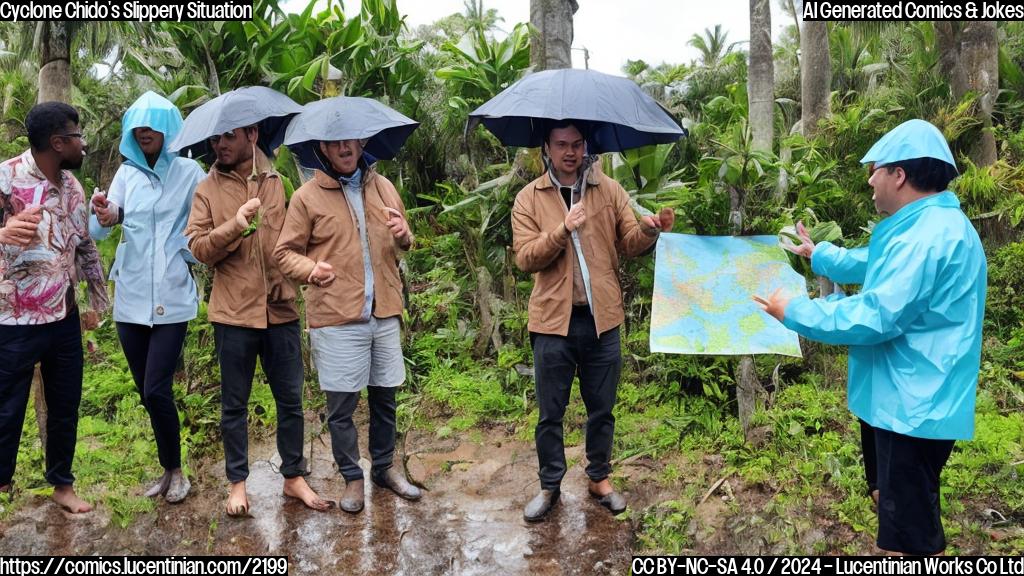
(248, 287)
(321, 227)
(543, 246)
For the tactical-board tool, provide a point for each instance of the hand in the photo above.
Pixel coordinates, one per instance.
(774, 305)
(576, 217)
(21, 228)
(106, 211)
(322, 274)
(90, 320)
(397, 224)
(806, 246)
(667, 219)
(662, 221)
(247, 211)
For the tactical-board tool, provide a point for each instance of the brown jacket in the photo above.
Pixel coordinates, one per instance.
(543, 246)
(248, 287)
(321, 227)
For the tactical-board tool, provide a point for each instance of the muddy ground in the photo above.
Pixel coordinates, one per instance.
(468, 522)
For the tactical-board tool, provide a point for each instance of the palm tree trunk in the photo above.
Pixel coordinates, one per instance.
(815, 75)
(761, 76)
(54, 85)
(55, 62)
(980, 56)
(551, 45)
(969, 58)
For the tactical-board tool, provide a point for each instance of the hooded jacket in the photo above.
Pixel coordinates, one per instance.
(914, 329)
(152, 283)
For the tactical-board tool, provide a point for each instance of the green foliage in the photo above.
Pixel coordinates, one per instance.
(1004, 306)
(663, 529)
(482, 66)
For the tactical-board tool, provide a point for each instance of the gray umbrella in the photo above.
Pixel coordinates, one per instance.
(347, 118)
(616, 114)
(269, 109)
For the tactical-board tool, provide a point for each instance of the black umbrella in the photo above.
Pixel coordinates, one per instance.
(267, 108)
(616, 114)
(347, 118)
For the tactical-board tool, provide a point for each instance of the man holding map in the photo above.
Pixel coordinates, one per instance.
(568, 228)
(913, 331)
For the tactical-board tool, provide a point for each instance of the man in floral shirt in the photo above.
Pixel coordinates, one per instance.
(45, 249)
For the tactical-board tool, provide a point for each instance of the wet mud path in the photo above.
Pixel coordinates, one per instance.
(468, 522)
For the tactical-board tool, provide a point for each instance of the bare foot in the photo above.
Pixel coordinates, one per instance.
(159, 488)
(238, 501)
(66, 497)
(298, 488)
(602, 488)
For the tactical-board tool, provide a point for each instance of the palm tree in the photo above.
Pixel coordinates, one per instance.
(970, 60)
(551, 47)
(761, 75)
(815, 75)
(53, 42)
(713, 45)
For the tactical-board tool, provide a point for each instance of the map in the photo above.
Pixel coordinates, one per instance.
(702, 289)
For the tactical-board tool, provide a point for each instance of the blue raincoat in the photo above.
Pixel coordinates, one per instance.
(914, 329)
(150, 271)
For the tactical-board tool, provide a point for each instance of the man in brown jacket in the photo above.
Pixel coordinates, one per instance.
(344, 234)
(568, 228)
(236, 218)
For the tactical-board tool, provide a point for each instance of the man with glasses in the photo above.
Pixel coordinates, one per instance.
(237, 215)
(913, 330)
(568, 228)
(45, 249)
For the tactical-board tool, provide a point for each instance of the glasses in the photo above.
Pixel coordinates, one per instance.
(78, 135)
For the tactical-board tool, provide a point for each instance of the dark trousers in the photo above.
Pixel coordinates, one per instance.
(598, 363)
(867, 446)
(908, 489)
(152, 354)
(345, 440)
(279, 350)
(57, 348)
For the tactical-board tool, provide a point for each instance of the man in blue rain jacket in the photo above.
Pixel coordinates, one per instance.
(913, 331)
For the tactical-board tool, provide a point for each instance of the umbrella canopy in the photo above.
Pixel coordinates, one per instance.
(617, 115)
(347, 118)
(267, 108)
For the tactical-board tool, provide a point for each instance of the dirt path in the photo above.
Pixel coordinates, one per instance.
(469, 521)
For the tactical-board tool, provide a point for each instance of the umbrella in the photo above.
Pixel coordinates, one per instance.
(259, 105)
(347, 118)
(617, 115)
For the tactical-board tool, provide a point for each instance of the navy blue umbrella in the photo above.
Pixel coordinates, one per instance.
(268, 109)
(617, 115)
(347, 118)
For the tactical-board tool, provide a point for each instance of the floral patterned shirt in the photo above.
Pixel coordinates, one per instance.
(35, 281)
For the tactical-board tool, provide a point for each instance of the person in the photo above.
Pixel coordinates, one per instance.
(155, 295)
(236, 218)
(913, 330)
(568, 227)
(344, 233)
(45, 249)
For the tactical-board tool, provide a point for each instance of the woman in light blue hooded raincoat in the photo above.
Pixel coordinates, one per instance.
(913, 330)
(154, 293)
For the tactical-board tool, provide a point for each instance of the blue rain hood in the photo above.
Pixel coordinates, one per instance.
(912, 139)
(157, 113)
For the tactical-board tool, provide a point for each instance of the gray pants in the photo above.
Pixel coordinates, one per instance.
(279, 350)
(345, 440)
